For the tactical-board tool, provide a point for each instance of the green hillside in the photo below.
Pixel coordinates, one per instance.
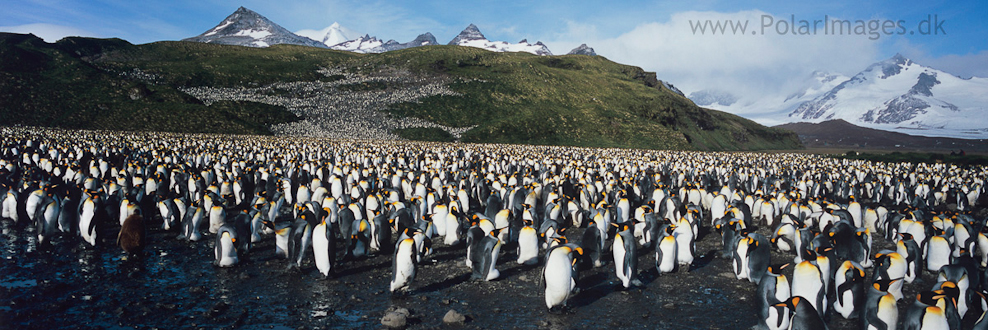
(508, 97)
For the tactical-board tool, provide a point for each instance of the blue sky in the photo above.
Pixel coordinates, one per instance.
(655, 35)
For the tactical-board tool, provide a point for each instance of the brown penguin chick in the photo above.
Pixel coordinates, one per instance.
(132, 234)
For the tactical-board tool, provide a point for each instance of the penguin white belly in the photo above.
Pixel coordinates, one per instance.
(740, 262)
(619, 268)
(895, 289)
(439, 221)
(493, 273)
(824, 264)
(778, 318)
(684, 247)
(281, 244)
(10, 207)
(32, 204)
(887, 312)
(452, 236)
(216, 219)
(934, 320)
(666, 255)
(256, 228)
(404, 265)
(806, 283)
(558, 278)
(528, 246)
(847, 307)
(768, 213)
(782, 289)
(320, 249)
(227, 254)
(937, 253)
(640, 232)
(983, 249)
(86, 228)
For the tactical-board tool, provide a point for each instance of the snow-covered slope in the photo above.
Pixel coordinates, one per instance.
(772, 109)
(425, 39)
(331, 35)
(472, 37)
(247, 28)
(360, 45)
(900, 95)
(368, 44)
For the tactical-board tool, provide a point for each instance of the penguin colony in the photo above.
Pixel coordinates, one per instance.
(329, 111)
(326, 202)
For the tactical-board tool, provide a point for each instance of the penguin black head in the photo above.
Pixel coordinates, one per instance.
(930, 297)
(950, 289)
(791, 303)
(777, 269)
(883, 284)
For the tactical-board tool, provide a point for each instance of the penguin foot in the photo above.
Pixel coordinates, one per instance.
(560, 310)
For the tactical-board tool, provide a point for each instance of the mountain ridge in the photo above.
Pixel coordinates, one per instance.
(489, 97)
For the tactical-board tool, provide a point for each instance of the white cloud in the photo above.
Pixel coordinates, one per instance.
(752, 66)
(48, 32)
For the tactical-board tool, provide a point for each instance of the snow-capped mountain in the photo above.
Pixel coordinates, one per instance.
(247, 28)
(898, 94)
(774, 108)
(425, 39)
(331, 35)
(583, 49)
(368, 44)
(359, 45)
(472, 37)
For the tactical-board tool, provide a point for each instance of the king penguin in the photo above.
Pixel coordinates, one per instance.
(803, 315)
(879, 310)
(192, 222)
(324, 247)
(528, 245)
(625, 251)
(926, 312)
(849, 284)
(91, 212)
(808, 282)
(484, 257)
(774, 289)
(665, 250)
(403, 265)
(300, 240)
(282, 232)
(225, 249)
(593, 244)
(558, 276)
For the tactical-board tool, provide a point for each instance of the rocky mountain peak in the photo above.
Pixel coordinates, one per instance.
(583, 49)
(247, 28)
(470, 33)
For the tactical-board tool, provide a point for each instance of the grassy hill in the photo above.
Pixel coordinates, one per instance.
(506, 97)
(53, 85)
